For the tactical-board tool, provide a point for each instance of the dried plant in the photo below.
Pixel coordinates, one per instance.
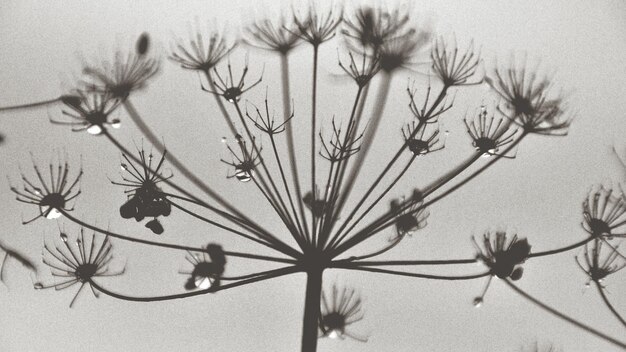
(324, 222)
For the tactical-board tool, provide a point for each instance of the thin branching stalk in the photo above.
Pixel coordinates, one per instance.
(350, 135)
(608, 303)
(418, 275)
(276, 194)
(284, 65)
(31, 105)
(565, 317)
(270, 274)
(381, 98)
(263, 242)
(285, 184)
(313, 138)
(280, 246)
(350, 184)
(563, 249)
(154, 140)
(220, 104)
(168, 245)
(387, 220)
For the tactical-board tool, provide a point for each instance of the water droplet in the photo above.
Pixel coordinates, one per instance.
(63, 237)
(78, 242)
(224, 139)
(124, 167)
(478, 301)
(587, 284)
(116, 123)
(51, 213)
(94, 130)
(38, 285)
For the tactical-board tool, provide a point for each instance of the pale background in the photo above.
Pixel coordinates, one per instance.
(538, 195)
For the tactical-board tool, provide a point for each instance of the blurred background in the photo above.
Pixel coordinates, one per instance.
(538, 195)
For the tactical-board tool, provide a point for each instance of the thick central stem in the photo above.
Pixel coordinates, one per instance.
(311, 310)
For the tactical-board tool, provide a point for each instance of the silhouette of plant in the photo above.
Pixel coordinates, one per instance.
(324, 226)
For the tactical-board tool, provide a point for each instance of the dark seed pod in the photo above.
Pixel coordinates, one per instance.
(517, 274)
(143, 44)
(129, 209)
(71, 100)
(155, 226)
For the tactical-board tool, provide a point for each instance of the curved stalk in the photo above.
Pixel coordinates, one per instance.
(269, 275)
(608, 303)
(565, 317)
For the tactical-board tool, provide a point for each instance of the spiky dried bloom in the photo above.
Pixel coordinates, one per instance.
(454, 68)
(144, 196)
(128, 71)
(315, 27)
(503, 256)
(412, 219)
(397, 53)
(227, 87)
(52, 197)
(266, 122)
(372, 27)
(597, 265)
(527, 96)
(202, 51)
(417, 142)
(90, 112)
(342, 309)
(604, 214)
(246, 163)
(78, 263)
(426, 113)
(208, 267)
(279, 35)
(340, 146)
(489, 134)
(362, 74)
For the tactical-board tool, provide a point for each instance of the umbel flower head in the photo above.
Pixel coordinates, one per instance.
(489, 134)
(316, 26)
(604, 214)
(363, 72)
(280, 35)
(412, 218)
(52, 197)
(418, 142)
(90, 112)
(340, 310)
(201, 53)
(226, 86)
(128, 72)
(371, 27)
(208, 268)
(78, 262)
(503, 256)
(244, 165)
(145, 198)
(598, 266)
(526, 95)
(454, 68)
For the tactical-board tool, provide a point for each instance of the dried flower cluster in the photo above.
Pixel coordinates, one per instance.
(316, 205)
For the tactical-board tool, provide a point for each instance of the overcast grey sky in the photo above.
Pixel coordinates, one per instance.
(538, 195)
